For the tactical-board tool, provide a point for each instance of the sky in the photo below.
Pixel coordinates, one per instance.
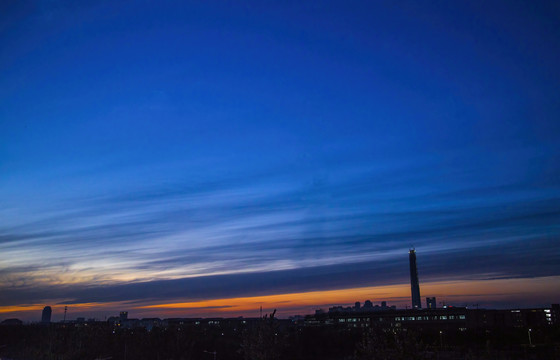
(207, 158)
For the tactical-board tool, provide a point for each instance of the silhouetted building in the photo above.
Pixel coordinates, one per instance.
(368, 307)
(450, 318)
(431, 302)
(46, 315)
(510, 318)
(555, 314)
(11, 322)
(454, 318)
(414, 285)
(150, 323)
(123, 316)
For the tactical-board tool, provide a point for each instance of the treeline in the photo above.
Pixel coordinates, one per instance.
(267, 340)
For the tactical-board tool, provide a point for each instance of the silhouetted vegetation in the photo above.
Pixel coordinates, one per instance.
(264, 341)
(379, 344)
(270, 339)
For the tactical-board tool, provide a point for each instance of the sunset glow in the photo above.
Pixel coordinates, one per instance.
(457, 293)
(209, 158)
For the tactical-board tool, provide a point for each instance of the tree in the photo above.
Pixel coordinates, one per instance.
(263, 341)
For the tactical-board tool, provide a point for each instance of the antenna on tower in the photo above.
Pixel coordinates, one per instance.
(65, 309)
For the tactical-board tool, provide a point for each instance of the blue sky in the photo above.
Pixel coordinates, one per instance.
(305, 145)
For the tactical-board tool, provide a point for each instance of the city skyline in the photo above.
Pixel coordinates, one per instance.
(305, 302)
(210, 159)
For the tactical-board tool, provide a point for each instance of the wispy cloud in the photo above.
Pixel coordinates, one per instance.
(273, 233)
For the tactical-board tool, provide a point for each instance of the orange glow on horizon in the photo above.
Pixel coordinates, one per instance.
(58, 307)
(457, 291)
(460, 292)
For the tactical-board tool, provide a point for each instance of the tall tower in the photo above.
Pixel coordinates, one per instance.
(46, 315)
(414, 285)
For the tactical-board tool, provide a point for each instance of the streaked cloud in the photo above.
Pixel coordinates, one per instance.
(134, 170)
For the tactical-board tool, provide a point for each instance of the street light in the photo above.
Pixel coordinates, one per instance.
(529, 333)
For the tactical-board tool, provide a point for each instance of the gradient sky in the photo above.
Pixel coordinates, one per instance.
(204, 158)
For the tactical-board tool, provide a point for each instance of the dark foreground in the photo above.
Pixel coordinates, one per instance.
(270, 339)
